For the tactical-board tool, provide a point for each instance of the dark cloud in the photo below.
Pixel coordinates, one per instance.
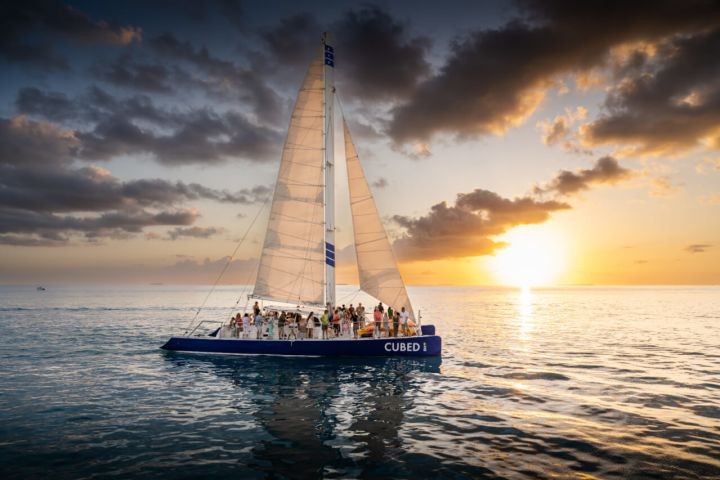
(465, 229)
(135, 125)
(29, 225)
(54, 106)
(606, 170)
(224, 78)
(292, 40)
(669, 105)
(203, 137)
(35, 144)
(363, 130)
(194, 232)
(377, 57)
(697, 247)
(232, 11)
(45, 200)
(93, 189)
(125, 72)
(494, 79)
(45, 21)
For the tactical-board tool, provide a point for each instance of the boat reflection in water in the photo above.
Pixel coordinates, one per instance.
(339, 417)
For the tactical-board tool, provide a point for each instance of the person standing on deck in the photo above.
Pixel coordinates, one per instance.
(245, 325)
(238, 323)
(256, 309)
(396, 323)
(377, 317)
(292, 326)
(391, 312)
(302, 327)
(355, 324)
(385, 325)
(361, 314)
(259, 325)
(281, 326)
(324, 322)
(311, 324)
(336, 323)
(272, 324)
(404, 317)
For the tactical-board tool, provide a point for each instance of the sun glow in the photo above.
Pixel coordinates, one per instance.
(535, 256)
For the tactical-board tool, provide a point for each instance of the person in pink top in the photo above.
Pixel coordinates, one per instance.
(377, 316)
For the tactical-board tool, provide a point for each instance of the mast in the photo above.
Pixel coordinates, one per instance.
(329, 86)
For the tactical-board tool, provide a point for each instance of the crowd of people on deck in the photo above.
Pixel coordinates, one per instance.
(340, 322)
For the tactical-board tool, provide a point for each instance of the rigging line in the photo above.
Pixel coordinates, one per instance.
(350, 295)
(227, 264)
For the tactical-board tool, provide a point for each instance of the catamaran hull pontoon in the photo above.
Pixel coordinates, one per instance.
(420, 346)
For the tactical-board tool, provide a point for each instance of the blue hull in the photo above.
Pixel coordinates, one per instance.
(422, 346)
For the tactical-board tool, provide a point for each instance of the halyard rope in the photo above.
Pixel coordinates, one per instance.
(227, 264)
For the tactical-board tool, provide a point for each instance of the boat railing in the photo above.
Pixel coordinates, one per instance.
(202, 323)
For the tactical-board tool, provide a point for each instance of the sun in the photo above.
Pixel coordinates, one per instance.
(535, 256)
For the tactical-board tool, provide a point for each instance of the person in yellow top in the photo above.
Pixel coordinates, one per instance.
(324, 322)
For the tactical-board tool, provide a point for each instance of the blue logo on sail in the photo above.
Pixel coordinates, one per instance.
(330, 254)
(329, 56)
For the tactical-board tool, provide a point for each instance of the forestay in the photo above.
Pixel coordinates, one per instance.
(377, 268)
(292, 263)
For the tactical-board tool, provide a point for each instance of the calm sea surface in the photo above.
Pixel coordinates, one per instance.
(572, 383)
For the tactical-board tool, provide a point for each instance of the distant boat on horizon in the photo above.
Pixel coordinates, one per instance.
(41, 289)
(297, 264)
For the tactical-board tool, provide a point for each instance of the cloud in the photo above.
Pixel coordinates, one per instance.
(292, 35)
(707, 163)
(45, 200)
(606, 170)
(224, 78)
(495, 78)
(467, 227)
(668, 106)
(92, 189)
(662, 187)
(31, 28)
(697, 248)
(377, 57)
(39, 226)
(135, 125)
(711, 199)
(559, 131)
(125, 72)
(202, 137)
(194, 232)
(29, 143)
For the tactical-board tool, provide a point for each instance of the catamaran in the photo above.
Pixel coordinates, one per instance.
(297, 263)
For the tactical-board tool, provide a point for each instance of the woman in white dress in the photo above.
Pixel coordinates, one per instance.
(311, 325)
(245, 325)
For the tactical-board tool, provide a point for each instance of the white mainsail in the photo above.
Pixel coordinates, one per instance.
(292, 264)
(377, 267)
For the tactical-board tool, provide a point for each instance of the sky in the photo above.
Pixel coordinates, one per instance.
(507, 143)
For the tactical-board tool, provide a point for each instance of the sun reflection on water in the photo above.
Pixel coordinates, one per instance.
(526, 320)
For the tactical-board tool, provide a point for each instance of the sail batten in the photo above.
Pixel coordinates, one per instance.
(377, 268)
(292, 263)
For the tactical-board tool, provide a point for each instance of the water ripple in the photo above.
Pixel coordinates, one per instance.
(581, 382)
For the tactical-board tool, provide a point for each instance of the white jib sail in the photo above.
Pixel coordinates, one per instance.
(377, 268)
(292, 264)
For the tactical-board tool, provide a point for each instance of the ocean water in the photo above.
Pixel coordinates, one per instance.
(570, 383)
